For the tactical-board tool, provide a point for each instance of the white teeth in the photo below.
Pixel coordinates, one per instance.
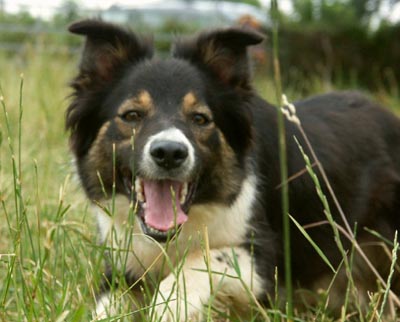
(140, 197)
(144, 205)
(184, 192)
(139, 190)
(138, 185)
(159, 232)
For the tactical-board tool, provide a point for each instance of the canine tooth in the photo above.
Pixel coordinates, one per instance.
(140, 197)
(144, 205)
(138, 186)
(139, 190)
(184, 192)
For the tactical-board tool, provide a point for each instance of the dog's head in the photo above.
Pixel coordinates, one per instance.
(166, 133)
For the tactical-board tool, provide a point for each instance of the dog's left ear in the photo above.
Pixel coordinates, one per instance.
(223, 52)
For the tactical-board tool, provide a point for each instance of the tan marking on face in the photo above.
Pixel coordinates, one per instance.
(99, 160)
(98, 142)
(190, 104)
(225, 172)
(124, 128)
(142, 102)
(227, 166)
(100, 147)
(189, 100)
(98, 157)
(144, 98)
(202, 134)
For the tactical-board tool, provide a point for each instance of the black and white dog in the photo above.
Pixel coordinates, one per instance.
(185, 154)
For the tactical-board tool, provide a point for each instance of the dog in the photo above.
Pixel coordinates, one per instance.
(180, 157)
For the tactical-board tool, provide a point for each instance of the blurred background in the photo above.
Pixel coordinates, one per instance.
(324, 44)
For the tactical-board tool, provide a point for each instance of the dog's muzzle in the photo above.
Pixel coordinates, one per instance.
(164, 185)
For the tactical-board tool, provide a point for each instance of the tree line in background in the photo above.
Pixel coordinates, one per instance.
(341, 41)
(335, 14)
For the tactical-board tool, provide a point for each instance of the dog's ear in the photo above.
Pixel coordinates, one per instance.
(223, 52)
(107, 49)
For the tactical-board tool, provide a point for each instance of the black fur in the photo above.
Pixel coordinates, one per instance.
(358, 144)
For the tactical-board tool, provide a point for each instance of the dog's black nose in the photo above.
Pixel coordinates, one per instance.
(168, 154)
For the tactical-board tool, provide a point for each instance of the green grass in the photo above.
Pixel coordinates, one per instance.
(45, 232)
(49, 261)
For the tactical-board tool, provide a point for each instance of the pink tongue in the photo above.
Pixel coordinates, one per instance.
(159, 212)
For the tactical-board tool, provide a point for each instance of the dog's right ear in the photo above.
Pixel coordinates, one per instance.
(108, 48)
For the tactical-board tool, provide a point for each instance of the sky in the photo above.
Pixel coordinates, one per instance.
(45, 8)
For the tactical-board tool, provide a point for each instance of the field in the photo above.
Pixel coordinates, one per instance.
(49, 262)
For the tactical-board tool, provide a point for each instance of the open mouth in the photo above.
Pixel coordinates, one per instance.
(162, 205)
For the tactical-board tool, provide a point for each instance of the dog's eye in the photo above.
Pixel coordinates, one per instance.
(132, 116)
(200, 119)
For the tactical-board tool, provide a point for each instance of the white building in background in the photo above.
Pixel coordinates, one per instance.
(197, 14)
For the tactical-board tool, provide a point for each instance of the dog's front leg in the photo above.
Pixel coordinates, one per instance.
(225, 278)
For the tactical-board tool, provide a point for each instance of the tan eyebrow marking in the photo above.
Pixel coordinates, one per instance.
(189, 100)
(191, 104)
(142, 101)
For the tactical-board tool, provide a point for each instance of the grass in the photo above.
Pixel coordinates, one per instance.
(49, 261)
(45, 233)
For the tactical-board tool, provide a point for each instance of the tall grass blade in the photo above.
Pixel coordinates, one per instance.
(390, 277)
(283, 163)
(313, 244)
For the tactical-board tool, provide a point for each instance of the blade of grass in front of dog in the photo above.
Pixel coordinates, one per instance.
(327, 211)
(313, 244)
(113, 192)
(390, 277)
(333, 224)
(115, 243)
(325, 204)
(275, 303)
(103, 189)
(283, 163)
(207, 258)
(205, 247)
(347, 231)
(378, 235)
(179, 270)
(132, 209)
(349, 287)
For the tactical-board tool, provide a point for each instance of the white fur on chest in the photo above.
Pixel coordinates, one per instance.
(227, 226)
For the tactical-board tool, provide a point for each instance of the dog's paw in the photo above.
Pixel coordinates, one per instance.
(112, 305)
(104, 307)
(177, 310)
(175, 302)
